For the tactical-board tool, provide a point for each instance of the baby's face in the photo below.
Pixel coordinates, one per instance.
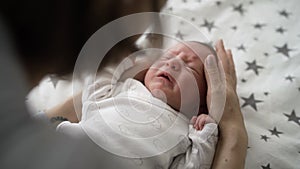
(173, 73)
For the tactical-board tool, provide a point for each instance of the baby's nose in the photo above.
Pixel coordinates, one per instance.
(174, 64)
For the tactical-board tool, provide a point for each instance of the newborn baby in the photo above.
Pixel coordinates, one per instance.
(171, 77)
(150, 120)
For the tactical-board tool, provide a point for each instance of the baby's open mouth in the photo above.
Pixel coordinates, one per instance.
(166, 76)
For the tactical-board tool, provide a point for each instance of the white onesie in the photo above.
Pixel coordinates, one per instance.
(125, 119)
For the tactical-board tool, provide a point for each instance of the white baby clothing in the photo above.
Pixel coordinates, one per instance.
(125, 119)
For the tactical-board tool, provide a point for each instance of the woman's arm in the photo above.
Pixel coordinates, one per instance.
(232, 145)
(233, 140)
(231, 149)
(67, 109)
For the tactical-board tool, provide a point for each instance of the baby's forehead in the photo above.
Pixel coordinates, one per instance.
(193, 49)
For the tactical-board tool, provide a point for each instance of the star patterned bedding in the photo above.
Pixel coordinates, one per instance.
(264, 37)
(265, 40)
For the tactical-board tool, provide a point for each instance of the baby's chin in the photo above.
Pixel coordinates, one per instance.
(159, 94)
(163, 97)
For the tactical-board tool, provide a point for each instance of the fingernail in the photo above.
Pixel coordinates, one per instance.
(210, 60)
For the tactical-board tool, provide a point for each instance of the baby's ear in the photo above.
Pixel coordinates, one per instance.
(203, 110)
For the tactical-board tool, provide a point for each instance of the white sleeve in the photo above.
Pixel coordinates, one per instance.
(201, 153)
(73, 130)
(99, 88)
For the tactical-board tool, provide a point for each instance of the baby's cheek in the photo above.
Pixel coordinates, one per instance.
(189, 85)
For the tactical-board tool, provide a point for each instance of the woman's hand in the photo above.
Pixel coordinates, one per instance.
(224, 107)
(222, 99)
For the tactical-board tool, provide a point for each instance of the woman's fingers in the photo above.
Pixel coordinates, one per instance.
(231, 67)
(220, 49)
(219, 72)
(230, 61)
(222, 55)
(220, 46)
(213, 73)
(230, 58)
(227, 63)
(216, 87)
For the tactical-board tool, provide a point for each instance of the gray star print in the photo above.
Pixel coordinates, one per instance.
(266, 167)
(244, 80)
(264, 137)
(283, 50)
(290, 78)
(218, 3)
(253, 66)
(234, 27)
(266, 54)
(208, 25)
(284, 13)
(259, 25)
(179, 35)
(251, 102)
(275, 132)
(239, 9)
(293, 117)
(241, 47)
(280, 30)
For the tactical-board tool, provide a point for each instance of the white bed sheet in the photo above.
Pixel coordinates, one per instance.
(264, 37)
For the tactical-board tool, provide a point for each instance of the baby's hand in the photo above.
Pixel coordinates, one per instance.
(201, 120)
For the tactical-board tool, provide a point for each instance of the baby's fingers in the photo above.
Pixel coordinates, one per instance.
(193, 120)
(200, 122)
